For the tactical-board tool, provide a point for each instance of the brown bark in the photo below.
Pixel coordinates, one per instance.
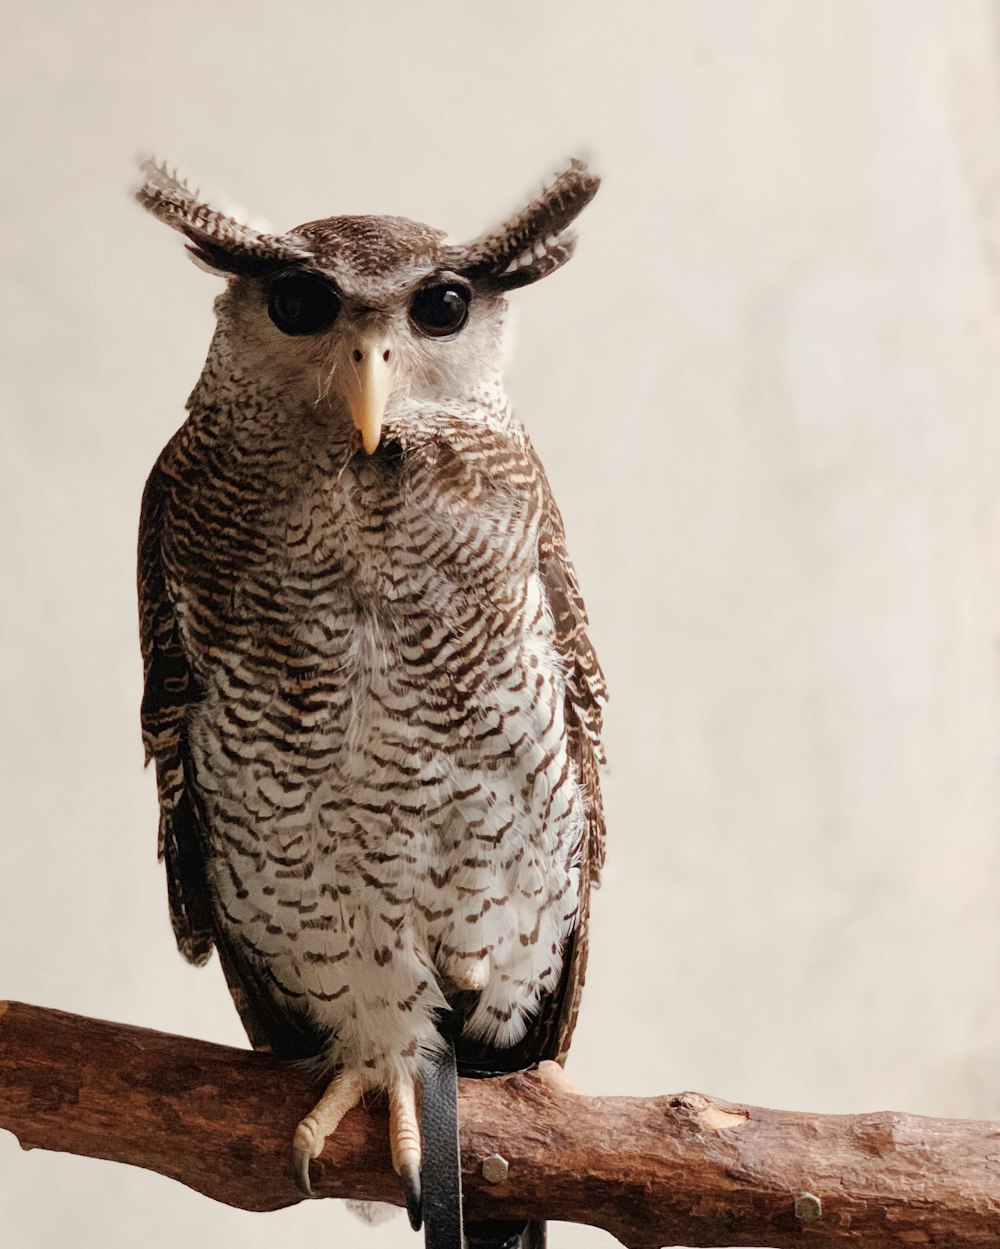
(684, 1169)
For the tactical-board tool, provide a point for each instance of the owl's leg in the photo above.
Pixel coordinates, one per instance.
(343, 1093)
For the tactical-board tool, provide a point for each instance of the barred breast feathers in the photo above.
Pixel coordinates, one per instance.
(373, 601)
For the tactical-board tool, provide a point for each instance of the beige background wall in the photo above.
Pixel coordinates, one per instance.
(768, 394)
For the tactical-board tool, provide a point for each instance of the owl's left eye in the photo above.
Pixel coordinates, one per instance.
(440, 310)
(301, 303)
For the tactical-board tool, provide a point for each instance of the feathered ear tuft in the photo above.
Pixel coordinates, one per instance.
(217, 242)
(533, 243)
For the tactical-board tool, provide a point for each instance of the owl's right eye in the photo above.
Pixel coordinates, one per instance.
(302, 303)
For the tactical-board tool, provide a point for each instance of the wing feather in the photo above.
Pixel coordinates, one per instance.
(586, 693)
(551, 1030)
(171, 690)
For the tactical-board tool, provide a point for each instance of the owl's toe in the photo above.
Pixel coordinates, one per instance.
(404, 1144)
(343, 1093)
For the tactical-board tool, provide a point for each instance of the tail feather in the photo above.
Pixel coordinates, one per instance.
(441, 1173)
(511, 1234)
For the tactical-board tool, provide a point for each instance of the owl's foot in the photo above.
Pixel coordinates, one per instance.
(468, 971)
(343, 1093)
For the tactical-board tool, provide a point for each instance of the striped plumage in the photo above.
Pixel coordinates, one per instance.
(370, 696)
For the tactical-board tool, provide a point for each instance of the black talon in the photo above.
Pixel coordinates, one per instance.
(409, 1177)
(300, 1171)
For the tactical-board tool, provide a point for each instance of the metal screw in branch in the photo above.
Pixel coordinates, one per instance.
(495, 1169)
(808, 1208)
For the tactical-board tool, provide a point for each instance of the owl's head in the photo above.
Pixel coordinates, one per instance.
(366, 313)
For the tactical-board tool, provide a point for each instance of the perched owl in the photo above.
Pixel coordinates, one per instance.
(370, 696)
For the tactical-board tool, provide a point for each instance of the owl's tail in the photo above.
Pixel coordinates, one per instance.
(441, 1167)
(441, 1172)
(506, 1235)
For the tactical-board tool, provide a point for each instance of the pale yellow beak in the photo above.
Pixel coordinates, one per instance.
(368, 392)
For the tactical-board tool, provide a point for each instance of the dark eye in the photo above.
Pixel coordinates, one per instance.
(440, 310)
(301, 303)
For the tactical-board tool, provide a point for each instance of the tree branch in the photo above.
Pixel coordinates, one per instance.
(684, 1169)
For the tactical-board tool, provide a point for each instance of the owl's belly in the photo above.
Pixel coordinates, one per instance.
(375, 839)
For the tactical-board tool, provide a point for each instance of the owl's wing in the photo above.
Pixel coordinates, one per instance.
(171, 690)
(586, 691)
(551, 1029)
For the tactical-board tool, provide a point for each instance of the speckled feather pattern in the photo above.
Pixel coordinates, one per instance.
(372, 704)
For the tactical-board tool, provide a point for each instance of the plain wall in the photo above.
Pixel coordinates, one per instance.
(766, 392)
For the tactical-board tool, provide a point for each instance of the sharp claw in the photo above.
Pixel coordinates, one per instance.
(409, 1175)
(301, 1158)
(342, 1093)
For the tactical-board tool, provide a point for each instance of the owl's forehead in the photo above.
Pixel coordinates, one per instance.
(373, 247)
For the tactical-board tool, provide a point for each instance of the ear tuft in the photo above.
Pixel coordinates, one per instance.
(534, 242)
(217, 242)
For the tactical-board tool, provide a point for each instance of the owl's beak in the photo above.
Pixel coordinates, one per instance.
(368, 391)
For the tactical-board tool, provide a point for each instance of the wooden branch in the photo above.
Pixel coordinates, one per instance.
(686, 1169)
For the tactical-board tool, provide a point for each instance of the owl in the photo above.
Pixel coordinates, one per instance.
(370, 697)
